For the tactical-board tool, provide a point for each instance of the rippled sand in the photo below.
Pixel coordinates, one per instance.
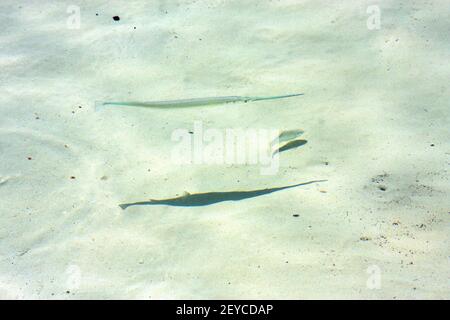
(375, 115)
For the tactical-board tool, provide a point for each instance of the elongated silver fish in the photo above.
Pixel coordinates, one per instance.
(196, 102)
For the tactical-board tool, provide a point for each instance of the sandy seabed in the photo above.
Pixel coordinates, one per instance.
(376, 116)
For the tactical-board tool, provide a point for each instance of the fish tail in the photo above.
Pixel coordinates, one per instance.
(99, 105)
(123, 206)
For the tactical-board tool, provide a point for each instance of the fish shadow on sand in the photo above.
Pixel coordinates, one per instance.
(209, 198)
(290, 145)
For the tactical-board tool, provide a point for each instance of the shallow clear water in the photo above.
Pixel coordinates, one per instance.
(375, 117)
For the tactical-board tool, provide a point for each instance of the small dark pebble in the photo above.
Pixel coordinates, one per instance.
(326, 163)
(382, 188)
(96, 14)
(432, 145)
(296, 215)
(72, 177)
(116, 18)
(67, 291)
(29, 158)
(190, 132)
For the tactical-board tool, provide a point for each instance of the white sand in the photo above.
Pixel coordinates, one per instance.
(376, 100)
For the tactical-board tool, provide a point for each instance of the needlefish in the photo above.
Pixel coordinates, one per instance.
(195, 102)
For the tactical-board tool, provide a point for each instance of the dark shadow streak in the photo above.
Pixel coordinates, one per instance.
(290, 145)
(208, 198)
